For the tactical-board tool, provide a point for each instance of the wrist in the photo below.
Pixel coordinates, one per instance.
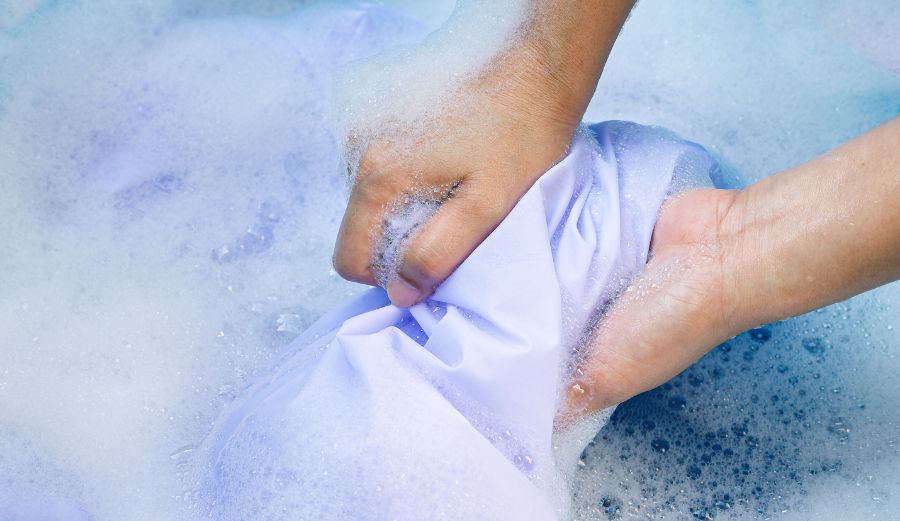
(758, 284)
(560, 50)
(572, 40)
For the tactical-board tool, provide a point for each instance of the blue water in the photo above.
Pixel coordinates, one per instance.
(795, 420)
(170, 189)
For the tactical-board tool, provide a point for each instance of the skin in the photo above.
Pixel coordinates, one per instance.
(721, 261)
(517, 120)
(724, 261)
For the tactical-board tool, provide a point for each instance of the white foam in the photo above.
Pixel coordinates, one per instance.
(138, 143)
(397, 94)
(139, 139)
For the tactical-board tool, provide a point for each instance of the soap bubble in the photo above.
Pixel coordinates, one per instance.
(171, 184)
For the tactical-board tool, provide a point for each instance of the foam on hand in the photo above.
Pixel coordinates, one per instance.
(399, 225)
(398, 95)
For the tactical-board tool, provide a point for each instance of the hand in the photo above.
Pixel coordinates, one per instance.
(498, 133)
(725, 261)
(484, 154)
(671, 314)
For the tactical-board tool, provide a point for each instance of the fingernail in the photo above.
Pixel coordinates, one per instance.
(579, 397)
(402, 293)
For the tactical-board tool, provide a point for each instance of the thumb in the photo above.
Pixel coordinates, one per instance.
(440, 245)
(666, 320)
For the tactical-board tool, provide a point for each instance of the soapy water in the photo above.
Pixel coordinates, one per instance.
(781, 422)
(171, 188)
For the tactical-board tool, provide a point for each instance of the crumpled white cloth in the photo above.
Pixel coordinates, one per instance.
(446, 410)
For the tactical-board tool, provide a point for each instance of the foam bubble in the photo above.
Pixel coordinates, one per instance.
(398, 93)
(172, 190)
(141, 138)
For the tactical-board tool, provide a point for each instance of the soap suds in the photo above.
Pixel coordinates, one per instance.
(141, 139)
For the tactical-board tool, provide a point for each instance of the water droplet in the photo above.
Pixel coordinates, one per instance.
(840, 428)
(181, 453)
(760, 334)
(814, 345)
(524, 462)
(660, 445)
(677, 403)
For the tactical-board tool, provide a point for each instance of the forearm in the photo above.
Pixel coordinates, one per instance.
(726, 261)
(818, 233)
(494, 118)
(558, 53)
(572, 40)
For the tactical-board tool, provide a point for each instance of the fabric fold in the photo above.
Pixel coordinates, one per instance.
(446, 410)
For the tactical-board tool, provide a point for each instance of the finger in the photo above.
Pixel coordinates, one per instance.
(662, 324)
(603, 377)
(361, 227)
(462, 222)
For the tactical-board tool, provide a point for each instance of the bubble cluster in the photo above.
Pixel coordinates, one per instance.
(170, 190)
(171, 184)
(398, 227)
(757, 429)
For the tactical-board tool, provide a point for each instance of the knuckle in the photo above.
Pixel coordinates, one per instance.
(427, 262)
(377, 158)
(341, 265)
(367, 189)
(348, 267)
(484, 209)
(369, 200)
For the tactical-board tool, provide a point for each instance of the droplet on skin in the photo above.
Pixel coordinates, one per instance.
(579, 396)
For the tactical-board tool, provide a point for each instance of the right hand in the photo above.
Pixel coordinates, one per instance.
(507, 128)
(724, 261)
(502, 130)
(673, 312)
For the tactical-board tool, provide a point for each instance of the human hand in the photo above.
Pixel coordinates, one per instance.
(672, 313)
(484, 154)
(725, 261)
(499, 131)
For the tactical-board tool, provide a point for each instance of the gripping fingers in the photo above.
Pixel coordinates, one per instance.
(440, 245)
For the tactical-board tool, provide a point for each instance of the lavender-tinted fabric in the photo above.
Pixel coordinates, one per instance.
(445, 410)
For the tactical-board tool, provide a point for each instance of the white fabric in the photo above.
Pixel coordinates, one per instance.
(446, 410)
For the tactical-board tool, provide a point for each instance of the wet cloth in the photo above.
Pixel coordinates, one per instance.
(446, 410)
